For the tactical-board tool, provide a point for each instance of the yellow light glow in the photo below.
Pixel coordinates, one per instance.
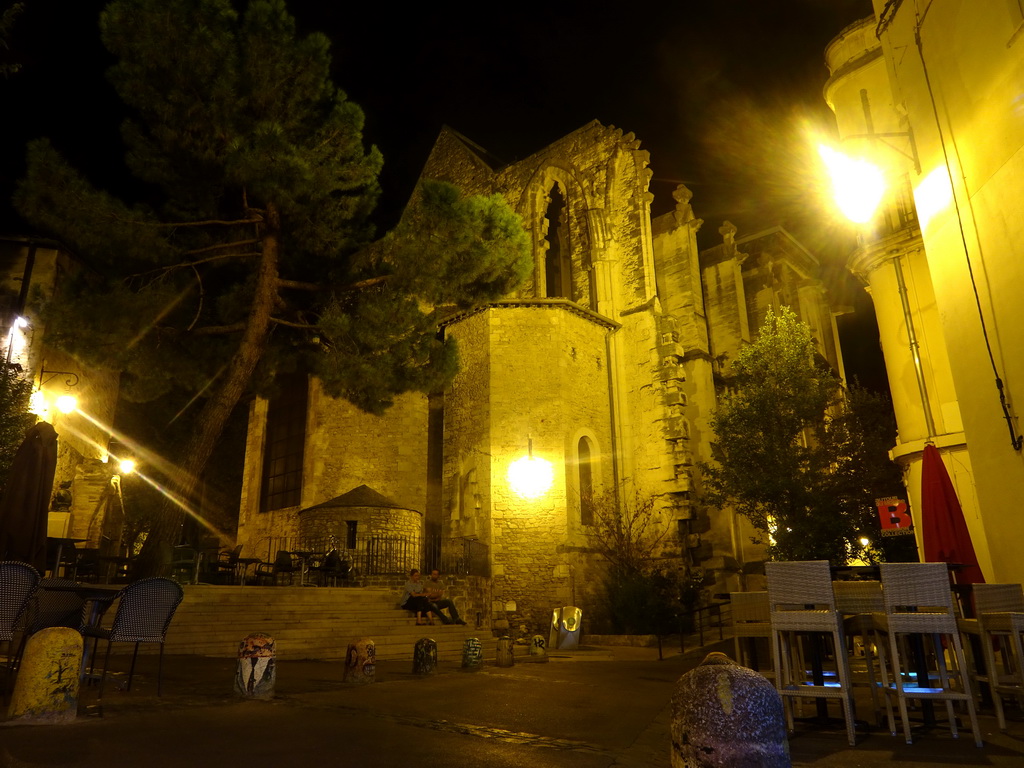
(127, 466)
(932, 196)
(20, 322)
(37, 404)
(66, 403)
(857, 185)
(530, 477)
(864, 541)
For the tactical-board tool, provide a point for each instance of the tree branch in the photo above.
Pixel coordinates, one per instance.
(219, 330)
(221, 246)
(299, 285)
(290, 324)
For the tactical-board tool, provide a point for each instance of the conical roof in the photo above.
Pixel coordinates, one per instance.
(362, 496)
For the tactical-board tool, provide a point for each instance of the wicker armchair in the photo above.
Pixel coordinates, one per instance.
(750, 620)
(801, 601)
(18, 581)
(918, 601)
(1000, 611)
(143, 615)
(859, 602)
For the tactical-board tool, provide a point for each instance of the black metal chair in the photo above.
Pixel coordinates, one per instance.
(18, 582)
(227, 561)
(283, 565)
(50, 608)
(185, 561)
(143, 615)
(333, 568)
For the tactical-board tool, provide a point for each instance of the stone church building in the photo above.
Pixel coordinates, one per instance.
(604, 364)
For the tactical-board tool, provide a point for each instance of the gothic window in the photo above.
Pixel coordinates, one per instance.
(557, 260)
(584, 457)
(285, 443)
(351, 528)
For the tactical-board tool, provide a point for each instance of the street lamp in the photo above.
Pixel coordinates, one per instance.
(530, 477)
(858, 186)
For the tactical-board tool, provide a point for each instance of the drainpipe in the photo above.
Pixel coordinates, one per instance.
(915, 350)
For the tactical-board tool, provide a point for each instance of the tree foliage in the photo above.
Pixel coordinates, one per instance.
(799, 458)
(7, 19)
(15, 390)
(243, 255)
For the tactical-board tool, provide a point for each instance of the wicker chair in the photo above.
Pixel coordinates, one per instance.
(50, 608)
(18, 582)
(918, 601)
(143, 615)
(859, 601)
(1000, 611)
(750, 620)
(801, 601)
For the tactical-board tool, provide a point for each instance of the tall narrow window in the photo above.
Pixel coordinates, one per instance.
(286, 439)
(351, 527)
(558, 263)
(584, 458)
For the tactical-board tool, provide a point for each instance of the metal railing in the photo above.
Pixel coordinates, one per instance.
(372, 555)
(460, 556)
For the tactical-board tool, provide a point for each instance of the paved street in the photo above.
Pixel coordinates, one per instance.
(590, 713)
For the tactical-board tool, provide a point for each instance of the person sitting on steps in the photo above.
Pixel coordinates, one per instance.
(415, 599)
(437, 600)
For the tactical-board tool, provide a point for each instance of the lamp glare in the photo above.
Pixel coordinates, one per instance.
(66, 403)
(857, 185)
(127, 466)
(530, 477)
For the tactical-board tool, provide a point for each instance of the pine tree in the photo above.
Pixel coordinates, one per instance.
(795, 454)
(242, 257)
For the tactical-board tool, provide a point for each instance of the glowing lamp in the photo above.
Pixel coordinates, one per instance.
(864, 541)
(529, 476)
(66, 403)
(857, 185)
(126, 466)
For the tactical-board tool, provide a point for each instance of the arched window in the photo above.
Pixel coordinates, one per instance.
(557, 260)
(584, 457)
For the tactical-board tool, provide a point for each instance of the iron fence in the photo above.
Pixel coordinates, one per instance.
(369, 555)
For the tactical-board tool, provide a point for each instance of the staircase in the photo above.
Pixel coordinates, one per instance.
(306, 623)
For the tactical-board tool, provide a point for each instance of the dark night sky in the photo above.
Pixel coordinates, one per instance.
(717, 92)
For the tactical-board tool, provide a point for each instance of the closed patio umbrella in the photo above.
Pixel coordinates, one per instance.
(26, 499)
(944, 530)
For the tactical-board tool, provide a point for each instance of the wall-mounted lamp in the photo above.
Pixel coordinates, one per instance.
(46, 376)
(530, 476)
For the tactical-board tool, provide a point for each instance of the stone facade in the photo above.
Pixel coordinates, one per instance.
(86, 504)
(602, 364)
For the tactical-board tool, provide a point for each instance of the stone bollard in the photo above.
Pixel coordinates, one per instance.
(256, 673)
(361, 662)
(424, 657)
(725, 715)
(506, 653)
(472, 654)
(538, 648)
(46, 691)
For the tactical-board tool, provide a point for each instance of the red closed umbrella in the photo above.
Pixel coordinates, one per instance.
(944, 530)
(26, 499)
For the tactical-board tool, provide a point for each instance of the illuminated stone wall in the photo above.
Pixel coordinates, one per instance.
(345, 448)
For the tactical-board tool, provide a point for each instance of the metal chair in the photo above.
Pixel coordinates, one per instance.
(18, 582)
(751, 620)
(1000, 612)
(47, 608)
(143, 615)
(283, 565)
(801, 602)
(919, 607)
(185, 562)
(333, 568)
(227, 560)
